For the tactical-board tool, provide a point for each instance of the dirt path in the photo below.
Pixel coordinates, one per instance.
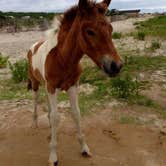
(16, 45)
(112, 144)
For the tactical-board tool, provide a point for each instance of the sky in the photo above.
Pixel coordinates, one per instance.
(60, 5)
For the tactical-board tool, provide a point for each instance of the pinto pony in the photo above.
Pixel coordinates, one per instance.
(56, 61)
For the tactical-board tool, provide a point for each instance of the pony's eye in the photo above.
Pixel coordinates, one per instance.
(101, 10)
(90, 32)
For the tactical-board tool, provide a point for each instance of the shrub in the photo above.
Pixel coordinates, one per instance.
(136, 23)
(140, 35)
(155, 45)
(3, 61)
(19, 70)
(116, 35)
(125, 87)
(154, 26)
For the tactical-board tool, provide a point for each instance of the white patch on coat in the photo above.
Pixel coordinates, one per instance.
(39, 59)
(54, 120)
(73, 96)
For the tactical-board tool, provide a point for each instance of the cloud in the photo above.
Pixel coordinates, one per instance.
(137, 3)
(31, 5)
(54, 5)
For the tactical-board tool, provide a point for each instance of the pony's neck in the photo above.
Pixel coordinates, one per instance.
(70, 49)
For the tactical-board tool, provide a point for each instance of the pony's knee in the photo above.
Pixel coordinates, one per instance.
(54, 118)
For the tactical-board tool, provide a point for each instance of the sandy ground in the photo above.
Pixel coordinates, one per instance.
(112, 143)
(126, 26)
(16, 45)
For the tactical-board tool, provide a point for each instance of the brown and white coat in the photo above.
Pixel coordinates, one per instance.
(56, 61)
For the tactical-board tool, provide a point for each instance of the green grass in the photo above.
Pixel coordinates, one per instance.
(123, 87)
(3, 61)
(140, 35)
(154, 27)
(10, 90)
(19, 70)
(116, 35)
(125, 119)
(144, 63)
(155, 45)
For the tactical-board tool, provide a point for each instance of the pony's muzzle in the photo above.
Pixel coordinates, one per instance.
(111, 67)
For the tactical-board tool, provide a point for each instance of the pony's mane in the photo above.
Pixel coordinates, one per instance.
(71, 13)
(68, 19)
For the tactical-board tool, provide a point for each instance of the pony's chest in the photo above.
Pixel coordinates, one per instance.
(70, 80)
(63, 80)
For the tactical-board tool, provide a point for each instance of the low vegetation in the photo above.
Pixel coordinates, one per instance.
(140, 35)
(19, 71)
(3, 61)
(127, 87)
(155, 45)
(116, 35)
(154, 26)
(129, 120)
(20, 20)
(144, 63)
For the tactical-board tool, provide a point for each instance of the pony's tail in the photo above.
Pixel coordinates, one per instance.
(29, 85)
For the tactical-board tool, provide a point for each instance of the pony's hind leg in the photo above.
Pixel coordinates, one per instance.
(76, 116)
(35, 103)
(35, 87)
(49, 107)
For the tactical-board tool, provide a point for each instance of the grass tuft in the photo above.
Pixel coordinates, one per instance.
(3, 61)
(154, 26)
(19, 70)
(116, 35)
(155, 45)
(129, 120)
(140, 35)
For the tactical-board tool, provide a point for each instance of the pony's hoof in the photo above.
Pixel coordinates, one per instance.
(85, 151)
(86, 154)
(54, 164)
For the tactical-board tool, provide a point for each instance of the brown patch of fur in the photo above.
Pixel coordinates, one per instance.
(62, 68)
(60, 75)
(33, 75)
(38, 75)
(37, 46)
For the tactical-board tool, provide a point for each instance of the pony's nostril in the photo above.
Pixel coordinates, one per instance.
(114, 67)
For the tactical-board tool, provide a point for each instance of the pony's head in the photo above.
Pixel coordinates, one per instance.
(95, 36)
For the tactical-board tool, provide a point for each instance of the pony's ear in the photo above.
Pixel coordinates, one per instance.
(102, 6)
(107, 2)
(82, 4)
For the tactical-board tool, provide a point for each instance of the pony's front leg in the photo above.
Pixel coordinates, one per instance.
(35, 103)
(73, 94)
(49, 108)
(54, 119)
